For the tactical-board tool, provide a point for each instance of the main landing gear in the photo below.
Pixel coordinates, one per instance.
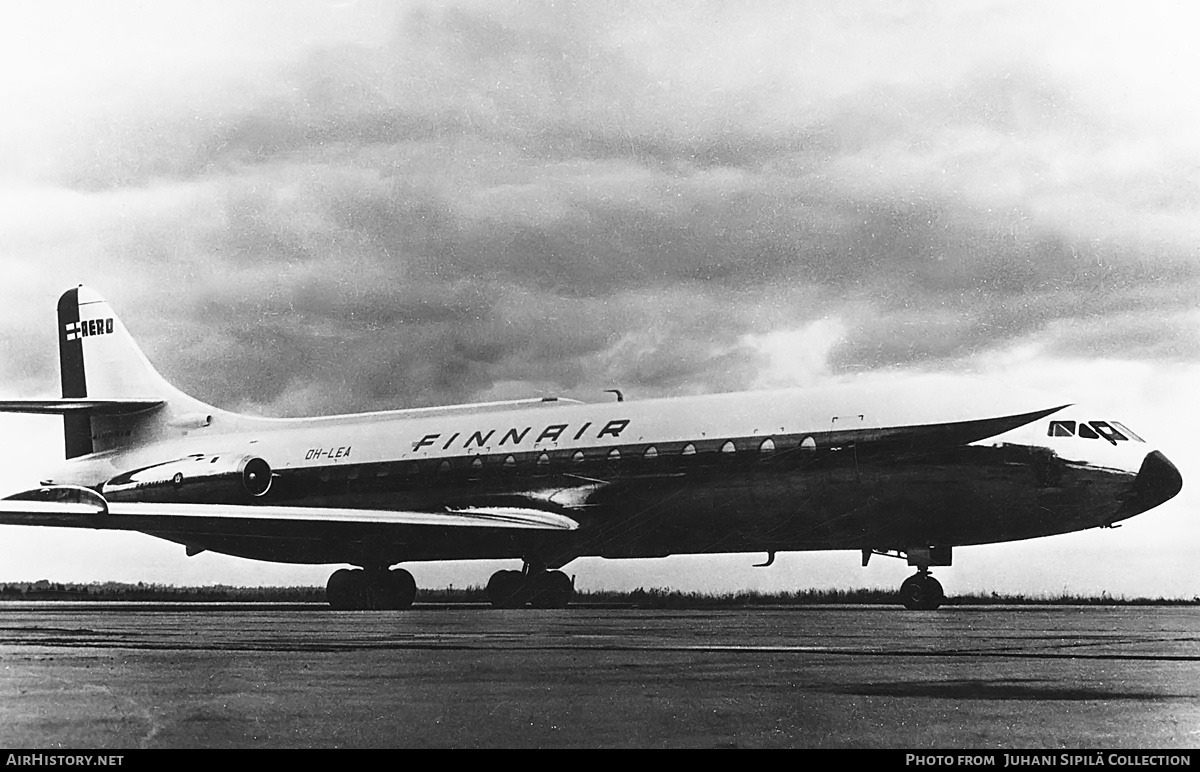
(919, 592)
(533, 585)
(378, 589)
(371, 589)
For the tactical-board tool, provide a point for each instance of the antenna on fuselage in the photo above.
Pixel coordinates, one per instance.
(620, 396)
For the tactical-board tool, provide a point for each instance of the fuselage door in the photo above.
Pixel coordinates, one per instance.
(843, 433)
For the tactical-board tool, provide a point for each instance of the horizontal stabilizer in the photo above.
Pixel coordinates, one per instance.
(81, 405)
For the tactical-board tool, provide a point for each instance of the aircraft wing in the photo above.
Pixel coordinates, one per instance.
(71, 405)
(74, 507)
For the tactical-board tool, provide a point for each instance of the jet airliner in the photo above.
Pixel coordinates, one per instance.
(907, 470)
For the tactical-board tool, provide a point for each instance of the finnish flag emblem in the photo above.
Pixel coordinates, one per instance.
(88, 328)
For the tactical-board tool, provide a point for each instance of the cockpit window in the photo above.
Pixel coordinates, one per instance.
(1061, 429)
(1108, 432)
(1093, 430)
(1125, 429)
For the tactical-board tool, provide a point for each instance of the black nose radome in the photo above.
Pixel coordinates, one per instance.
(1157, 481)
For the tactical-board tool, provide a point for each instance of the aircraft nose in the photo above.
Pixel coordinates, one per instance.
(1157, 481)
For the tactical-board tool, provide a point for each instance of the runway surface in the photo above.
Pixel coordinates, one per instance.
(138, 675)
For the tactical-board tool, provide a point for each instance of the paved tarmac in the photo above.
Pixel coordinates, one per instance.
(137, 675)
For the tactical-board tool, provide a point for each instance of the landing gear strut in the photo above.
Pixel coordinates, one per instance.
(533, 585)
(373, 589)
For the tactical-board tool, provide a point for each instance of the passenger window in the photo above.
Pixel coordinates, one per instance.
(767, 447)
(612, 462)
(1088, 432)
(688, 450)
(578, 457)
(1061, 429)
(651, 453)
(729, 448)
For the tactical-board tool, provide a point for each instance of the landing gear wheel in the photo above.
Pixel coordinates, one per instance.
(506, 589)
(535, 586)
(921, 592)
(370, 590)
(396, 590)
(551, 589)
(345, 589)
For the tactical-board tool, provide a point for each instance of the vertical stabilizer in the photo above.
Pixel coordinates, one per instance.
(99, 360)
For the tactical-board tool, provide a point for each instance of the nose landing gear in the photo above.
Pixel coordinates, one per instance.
(921, 592)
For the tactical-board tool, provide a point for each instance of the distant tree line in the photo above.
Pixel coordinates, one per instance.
(118, 591)
(656, 598)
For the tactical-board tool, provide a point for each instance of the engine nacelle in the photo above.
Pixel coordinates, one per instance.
(200, 479)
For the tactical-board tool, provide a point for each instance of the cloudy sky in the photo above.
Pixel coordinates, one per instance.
(320, 207)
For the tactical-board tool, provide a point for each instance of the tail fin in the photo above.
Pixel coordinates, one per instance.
(98, 357)
(102, 365)
(112, 395)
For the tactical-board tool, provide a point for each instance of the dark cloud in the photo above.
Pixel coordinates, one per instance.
(581, 197)
(1167, 337)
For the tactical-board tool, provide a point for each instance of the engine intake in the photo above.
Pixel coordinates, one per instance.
(199, 479)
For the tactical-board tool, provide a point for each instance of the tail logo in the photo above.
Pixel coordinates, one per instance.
(88, 328)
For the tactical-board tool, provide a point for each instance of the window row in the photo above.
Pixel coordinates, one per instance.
(1093, 430)
(651, 453)
(765, 449)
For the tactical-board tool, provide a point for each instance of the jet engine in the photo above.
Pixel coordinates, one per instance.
(200, 479)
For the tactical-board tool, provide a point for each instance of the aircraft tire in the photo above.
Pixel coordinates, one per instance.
(343, 590)
(551, 589)
(921, 592)
(401, 589)
(506, 589)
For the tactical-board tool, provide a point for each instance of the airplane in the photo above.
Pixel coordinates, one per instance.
(902, 469)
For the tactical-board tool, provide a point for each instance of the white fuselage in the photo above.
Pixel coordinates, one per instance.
(794, 469)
